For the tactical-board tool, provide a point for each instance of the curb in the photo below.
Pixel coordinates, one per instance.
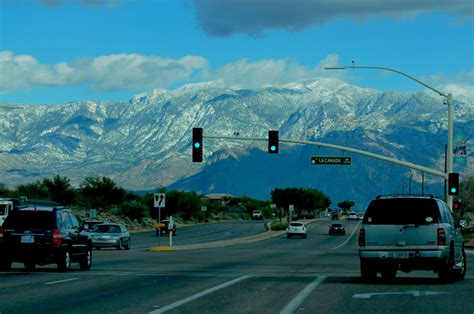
(224, 243)
(160, 249)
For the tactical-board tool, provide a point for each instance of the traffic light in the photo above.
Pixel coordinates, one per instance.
(453, 184)
(197, 144)
(273, 142)
(455, 205)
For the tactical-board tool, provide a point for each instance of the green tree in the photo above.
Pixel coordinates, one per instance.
(35, 190)
(302, 199)
(346, 205)
(60, 190)
(4, 191)
(101, 192)
(466, 196)
(134, 210)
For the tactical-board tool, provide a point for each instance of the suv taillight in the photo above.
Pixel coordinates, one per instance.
(362, 237)
(57, 237)
(1, 235)
(441, 236)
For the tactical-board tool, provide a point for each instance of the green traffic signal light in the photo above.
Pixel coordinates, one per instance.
(453, 184)
(197, 144)
(273, 138)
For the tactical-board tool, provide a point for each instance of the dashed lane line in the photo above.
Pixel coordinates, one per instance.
(60, 281)
(300, 297)
(350, 237)
(199, 295)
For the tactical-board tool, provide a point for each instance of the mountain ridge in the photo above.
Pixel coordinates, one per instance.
(145, 143)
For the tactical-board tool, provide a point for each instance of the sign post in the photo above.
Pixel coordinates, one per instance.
(170, 230)
(159, 201)
(291, 208)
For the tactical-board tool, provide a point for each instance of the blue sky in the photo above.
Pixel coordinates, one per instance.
(55, 51)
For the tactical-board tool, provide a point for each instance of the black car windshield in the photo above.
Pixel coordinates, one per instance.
(402, 211)
(337, 225)
(30, 219)
(296, 224)
(107, 229)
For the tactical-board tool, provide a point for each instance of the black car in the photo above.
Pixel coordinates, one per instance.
(166, 228)
(42, 236)
(337, 228)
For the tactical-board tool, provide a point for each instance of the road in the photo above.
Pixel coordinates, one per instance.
(277, 275)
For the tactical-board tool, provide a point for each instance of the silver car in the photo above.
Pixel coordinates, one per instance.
(296, 229)
(111, 235)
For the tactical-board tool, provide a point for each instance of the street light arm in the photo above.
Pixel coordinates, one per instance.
(345, 67)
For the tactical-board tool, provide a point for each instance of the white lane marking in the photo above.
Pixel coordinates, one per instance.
(347, 240)
(409, 292)
(198, 295)
(300, 297)
(60, 281)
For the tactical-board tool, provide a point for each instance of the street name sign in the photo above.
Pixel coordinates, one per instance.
(331, 160)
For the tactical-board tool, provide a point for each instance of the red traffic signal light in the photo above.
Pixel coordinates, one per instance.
(455, 204)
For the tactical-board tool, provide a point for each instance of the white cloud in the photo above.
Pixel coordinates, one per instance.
(247, 73)
(459, 84)
(110, 72)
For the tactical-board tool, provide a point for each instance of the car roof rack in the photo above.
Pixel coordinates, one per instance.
(403, 195)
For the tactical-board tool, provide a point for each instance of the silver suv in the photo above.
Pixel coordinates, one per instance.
(410, 233)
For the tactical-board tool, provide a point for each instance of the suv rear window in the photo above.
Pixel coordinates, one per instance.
(402, 211)
(30, 219)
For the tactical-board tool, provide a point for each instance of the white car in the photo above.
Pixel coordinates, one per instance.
(296, 229)
(257, 215)
(352, 216)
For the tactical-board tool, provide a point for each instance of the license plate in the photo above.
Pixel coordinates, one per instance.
(27, 239)
(401, 255)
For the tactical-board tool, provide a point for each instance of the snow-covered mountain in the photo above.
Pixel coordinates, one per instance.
(145, 143)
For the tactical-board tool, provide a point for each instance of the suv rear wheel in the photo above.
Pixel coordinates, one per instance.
(446, 272)
(5, 264)
(86, 262)
(64, 263)
(460, 274)
(367, 271)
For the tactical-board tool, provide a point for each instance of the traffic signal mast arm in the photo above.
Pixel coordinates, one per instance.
(338, 147)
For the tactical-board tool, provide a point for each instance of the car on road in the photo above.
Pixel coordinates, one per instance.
(296, 229)
(6, 206)
(409, 233)
(335, 215)
(337, 228)
(257, 215)
(352, 216)
(91, 224)
(111, 235)
(41, 236)
(167, 228)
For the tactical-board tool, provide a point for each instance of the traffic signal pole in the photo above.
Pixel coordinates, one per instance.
(449, 102)
(339, 147)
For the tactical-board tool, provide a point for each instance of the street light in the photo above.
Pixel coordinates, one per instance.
(449, 102)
